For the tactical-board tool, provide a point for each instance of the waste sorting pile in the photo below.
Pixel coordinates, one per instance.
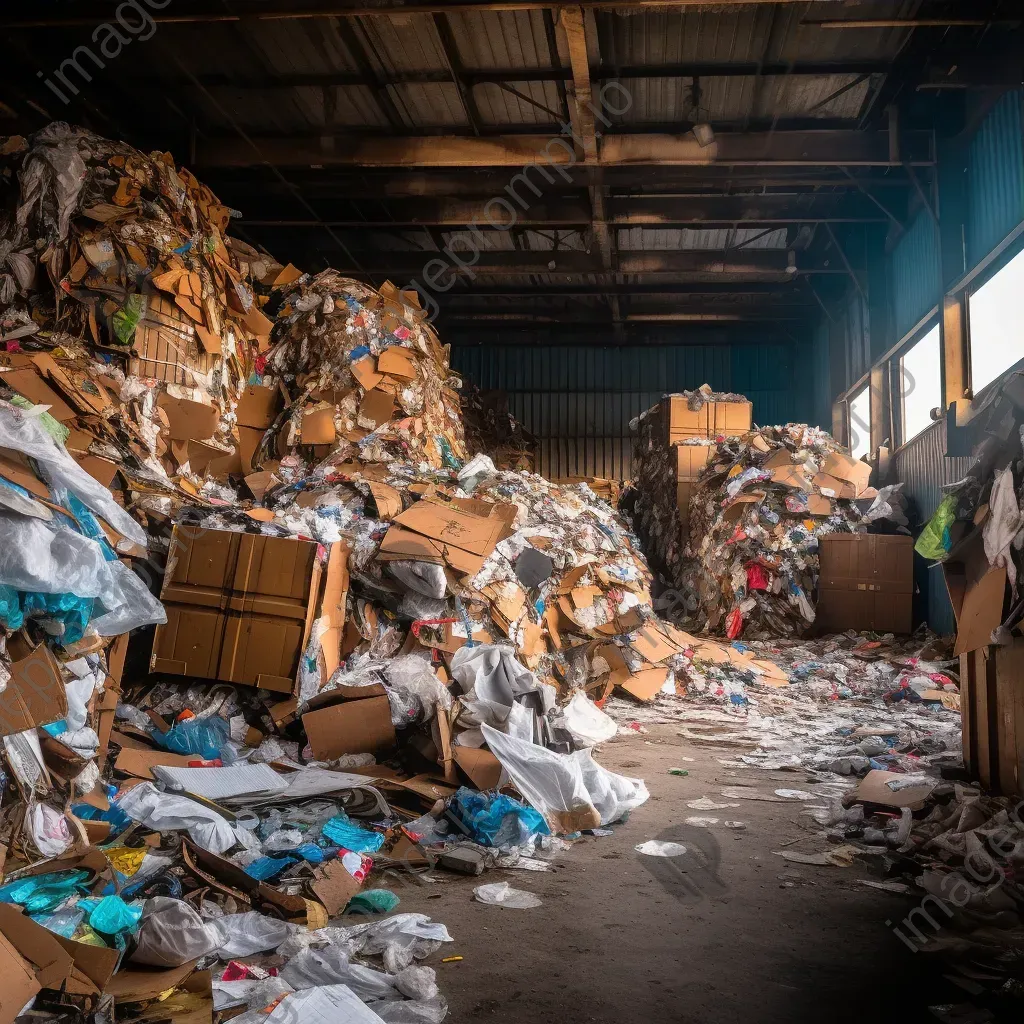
(127, 309)
(374, 655)
(492, 430)
(757, 515)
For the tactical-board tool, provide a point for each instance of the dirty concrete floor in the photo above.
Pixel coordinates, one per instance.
(728, 940)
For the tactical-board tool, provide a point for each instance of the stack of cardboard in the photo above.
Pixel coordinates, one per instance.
(757, 516)
(673, 442)
(365, 380)
(128, 310)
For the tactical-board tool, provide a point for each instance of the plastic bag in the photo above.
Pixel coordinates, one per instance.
(407, 1011)
(343, 832)
(412, 674)
(417, 983)
(238, 935)
(497, 820)
(935, 542)
(331, 966)
(49, 829)
(572, 791)
(424, 578)
(111, 915)
(204, 737)
(588, 724)
(171, 812)
(501, 894)
(373, 901)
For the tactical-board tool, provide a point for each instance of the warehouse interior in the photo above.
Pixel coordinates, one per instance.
(816, 206)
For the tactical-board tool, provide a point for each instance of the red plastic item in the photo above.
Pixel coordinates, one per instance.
(734, 624)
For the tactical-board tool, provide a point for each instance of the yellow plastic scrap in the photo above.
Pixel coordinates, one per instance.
(126, 860)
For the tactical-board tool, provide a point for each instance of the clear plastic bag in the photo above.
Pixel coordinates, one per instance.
(572, 791)
(171, 933)
(413, 675)
(588, 724)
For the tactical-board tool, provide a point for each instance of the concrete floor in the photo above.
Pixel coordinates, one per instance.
(726, 939)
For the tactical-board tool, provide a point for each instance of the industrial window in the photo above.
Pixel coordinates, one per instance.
(921, 383)
(996, 313)
(860, 423)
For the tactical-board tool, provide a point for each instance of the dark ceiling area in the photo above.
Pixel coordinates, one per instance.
(582, 171)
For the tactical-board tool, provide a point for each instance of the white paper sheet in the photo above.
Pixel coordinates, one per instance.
(223, 783)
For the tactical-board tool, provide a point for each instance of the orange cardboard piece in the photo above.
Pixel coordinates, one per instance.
(791, 476)
(261, 515)
(332, 607)
(476, 534)
(254, 321)
(874, 789)
(198, 454)
(139, 763)
(19, 982)
(981, 612)
(188, 420)
(819, 505)
(352, 727)
(481, 767)
(249, 440)
(258, 483)
(288, 274)
(571, 579)
(401, 543)
(30, 384)
(318, 426)
(850, 470)
(388, 500)
(257, 406)
(734, 511)
(644, 685)
(781, 459)
(101, 470)
(365, 373)
(397, 362)
(376, 408)
(769, 673)
(652, 645)
(137, 982)
(15, 468)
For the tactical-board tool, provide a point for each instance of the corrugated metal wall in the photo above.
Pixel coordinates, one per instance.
(995, 178)
(923, 467)
(578, 400)
(914, 274)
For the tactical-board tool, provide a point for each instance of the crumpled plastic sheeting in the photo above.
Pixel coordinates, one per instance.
(587, 723)
(1003, 524)
(572, 791)
(23, 433)
(400, 939)
(169, 812)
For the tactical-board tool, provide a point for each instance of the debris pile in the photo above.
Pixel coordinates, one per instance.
(358, 622)
(492, 430)
(126, 308)
(758, 514)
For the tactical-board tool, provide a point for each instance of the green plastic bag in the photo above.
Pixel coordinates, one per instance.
(127, 318)
(934, 542)
(372, 901)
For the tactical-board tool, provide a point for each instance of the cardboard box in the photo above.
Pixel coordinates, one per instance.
(35, 694)
(866, 582)
(713, 419)
(349, 720)
(691, 460)
(239, 607)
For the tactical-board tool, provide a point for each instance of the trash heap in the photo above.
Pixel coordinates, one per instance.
(127, 308)
(492, 430)
(363, 635)
(757, 514)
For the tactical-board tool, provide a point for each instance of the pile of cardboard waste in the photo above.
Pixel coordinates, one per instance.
(363, 634)
(757, 514)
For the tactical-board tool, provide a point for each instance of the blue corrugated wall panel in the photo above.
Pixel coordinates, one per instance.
(995, 178)
(579, 400)
(914, 274)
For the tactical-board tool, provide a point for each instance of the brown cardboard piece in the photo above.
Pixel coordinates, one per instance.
(139, 763)
(691, 459)
(18, 983)
(257, 407)
(473, 533)
(318, 426)
(791, 476)
(873, 789)
(481, 767)
(652, 645)
(644, 685)
(15, 468)
(351, 727)
(35, 693)
(980, 613)
(188, 420)
(376, 408)
(137, 982)
(365, 373)
(397, 362)
(334, 886)
(31, 386)
(848, 469)
(388, 500)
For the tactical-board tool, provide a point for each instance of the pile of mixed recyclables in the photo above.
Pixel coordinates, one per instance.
(175, 844)
(757, 513)
(492, 430)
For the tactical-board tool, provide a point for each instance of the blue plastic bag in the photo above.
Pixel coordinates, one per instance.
(39, 893)
(343, 832)
(110, 915)
(497, 820)
(269, 867)
(204, 737)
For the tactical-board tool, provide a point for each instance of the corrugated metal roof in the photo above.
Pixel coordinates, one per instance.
(660, 239)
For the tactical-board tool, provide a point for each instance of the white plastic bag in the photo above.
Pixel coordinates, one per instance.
(587, 723)
(169, 812)
(572, 791)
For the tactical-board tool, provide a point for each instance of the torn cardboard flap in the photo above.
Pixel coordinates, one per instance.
(365, 372)
(478, 535)
(188, 420)
(257, 407)
(397, 362)
(352, 727)
(387, 499)
(481, 767)
(848, 469)
(35, 694)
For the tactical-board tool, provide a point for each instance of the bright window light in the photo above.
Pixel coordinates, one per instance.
(996, 313)
(860, 423)
(921, 383)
